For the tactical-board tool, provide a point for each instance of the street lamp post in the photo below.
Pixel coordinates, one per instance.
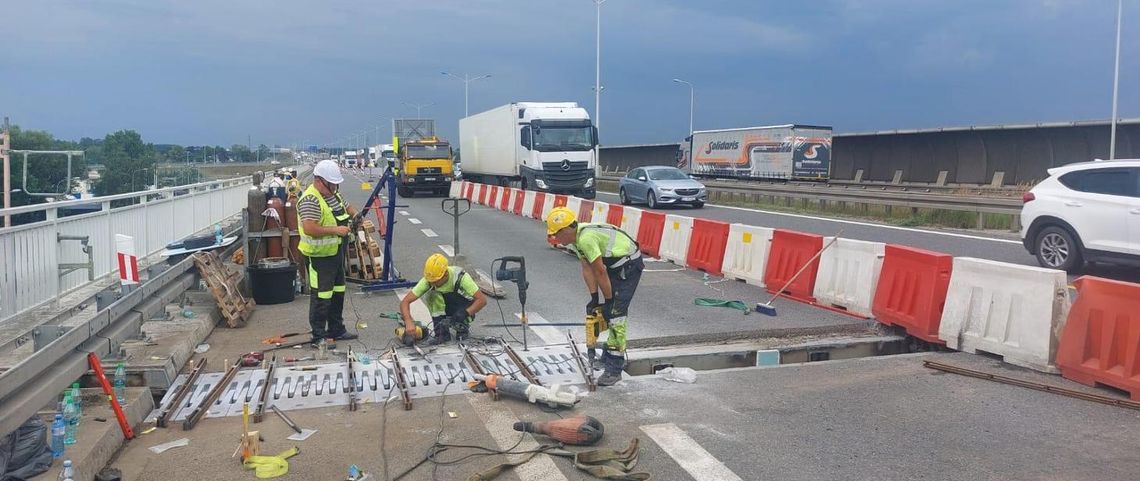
(419, 107)
(466, 81)
(598, 73)
(691, 97)
(1115, 82)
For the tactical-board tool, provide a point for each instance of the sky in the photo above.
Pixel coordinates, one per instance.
(300, 72)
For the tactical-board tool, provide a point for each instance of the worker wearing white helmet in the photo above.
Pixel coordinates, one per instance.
(324, 222)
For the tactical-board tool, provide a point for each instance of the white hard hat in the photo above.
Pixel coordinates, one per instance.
(328, 170)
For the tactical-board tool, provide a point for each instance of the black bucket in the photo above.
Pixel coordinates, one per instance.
(273, 283)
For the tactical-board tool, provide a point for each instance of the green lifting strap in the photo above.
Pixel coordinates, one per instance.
(601, 463)
(710, 302)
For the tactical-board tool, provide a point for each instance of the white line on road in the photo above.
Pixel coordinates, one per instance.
(420, 311)
(499, 421)
(429, 232)
(548, 334)
(414, 220)
(447, 249)
(403, 212)
(701, 465)
(866, 224)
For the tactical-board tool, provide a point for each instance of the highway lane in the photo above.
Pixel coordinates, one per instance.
(662, 310)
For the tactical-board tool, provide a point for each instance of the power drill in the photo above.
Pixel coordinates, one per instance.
(595, 324)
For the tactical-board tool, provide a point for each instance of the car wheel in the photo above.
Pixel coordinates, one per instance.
(651, 200)
(623, 197)
(1057, 248)
(698, 204)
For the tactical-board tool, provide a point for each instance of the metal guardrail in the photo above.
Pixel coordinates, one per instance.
(824, 193)
(31, 253)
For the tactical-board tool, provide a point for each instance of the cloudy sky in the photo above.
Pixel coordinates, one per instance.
(293, 71)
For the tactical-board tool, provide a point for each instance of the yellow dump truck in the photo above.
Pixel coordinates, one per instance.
(425, 166)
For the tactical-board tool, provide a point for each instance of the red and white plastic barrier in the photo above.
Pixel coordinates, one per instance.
(848, 275)
(678, 229)
(746, 254)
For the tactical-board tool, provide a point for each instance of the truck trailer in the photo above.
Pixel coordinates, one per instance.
(780, 152)
(541, 146)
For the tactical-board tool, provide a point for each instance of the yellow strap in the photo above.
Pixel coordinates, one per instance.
(265, 467)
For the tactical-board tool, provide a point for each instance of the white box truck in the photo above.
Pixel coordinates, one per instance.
(542, 146)
(788, 152)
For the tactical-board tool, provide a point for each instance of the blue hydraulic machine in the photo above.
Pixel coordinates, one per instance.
(389, 279)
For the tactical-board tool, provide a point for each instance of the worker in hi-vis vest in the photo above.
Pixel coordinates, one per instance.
(325, 221)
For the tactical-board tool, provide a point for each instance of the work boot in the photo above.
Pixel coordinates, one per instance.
(614, 366)
(437, 340)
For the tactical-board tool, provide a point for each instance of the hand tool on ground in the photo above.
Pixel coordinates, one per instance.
(299, 359)
(578, 430)
(180, 394)
(289, 422)
(263, 397)
(97, 366)
(767, 308)
(556, 396)
(286, 346)
(252, 359)
(278, 340)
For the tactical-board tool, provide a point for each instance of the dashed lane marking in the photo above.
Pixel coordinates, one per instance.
(403, 212)
(414, 220)
(429, 232)
(701, 465)
(447, 249)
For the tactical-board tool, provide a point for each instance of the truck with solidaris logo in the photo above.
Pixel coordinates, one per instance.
(778, 152)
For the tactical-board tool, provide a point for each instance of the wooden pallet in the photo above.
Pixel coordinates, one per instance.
(223, 284)
(363, 258)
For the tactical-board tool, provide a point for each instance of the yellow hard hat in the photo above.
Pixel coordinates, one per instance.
(435, 267)
(559, 218)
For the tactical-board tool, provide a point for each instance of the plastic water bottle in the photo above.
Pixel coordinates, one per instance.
(70, 420)
(67, 474)
(218, 236)
(322, 350)
(121, 383)
(58, 431)
(77, 398)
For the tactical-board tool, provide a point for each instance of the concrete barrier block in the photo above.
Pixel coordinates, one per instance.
(746, 256)
(1011, 310)
(848, 274)
(675, 238)
(528, 204)
(601, 210)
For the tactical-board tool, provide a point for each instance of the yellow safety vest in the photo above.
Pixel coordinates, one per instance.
(321, 246)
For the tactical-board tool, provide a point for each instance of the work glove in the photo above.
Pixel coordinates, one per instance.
(457, 320)
(409, 339)
(593, 304)
(608, 310)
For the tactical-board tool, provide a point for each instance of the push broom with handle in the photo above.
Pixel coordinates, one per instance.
(767, 308)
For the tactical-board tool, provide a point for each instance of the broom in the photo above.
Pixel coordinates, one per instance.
(767, 308)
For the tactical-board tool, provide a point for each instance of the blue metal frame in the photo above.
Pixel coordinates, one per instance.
(389, 280)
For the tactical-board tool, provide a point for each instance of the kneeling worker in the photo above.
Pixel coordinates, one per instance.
(611, 265)
(452, 297)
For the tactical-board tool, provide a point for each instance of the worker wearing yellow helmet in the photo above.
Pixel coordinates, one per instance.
(452, 297)
(611, 266)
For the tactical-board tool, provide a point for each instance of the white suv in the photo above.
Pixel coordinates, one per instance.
(1089, 211)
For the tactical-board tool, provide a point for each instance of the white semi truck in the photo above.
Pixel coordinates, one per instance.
(542, 146)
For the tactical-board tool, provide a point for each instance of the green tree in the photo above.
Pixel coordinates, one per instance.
(128, 163)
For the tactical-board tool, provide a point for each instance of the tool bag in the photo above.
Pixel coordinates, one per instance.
(601, 463)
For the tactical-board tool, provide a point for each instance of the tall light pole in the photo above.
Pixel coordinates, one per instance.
(1115, 82)
(466, 81)
(598, 74)
(691, 97)
(419, 107)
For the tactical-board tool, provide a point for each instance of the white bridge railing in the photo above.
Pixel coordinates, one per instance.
(30, 254)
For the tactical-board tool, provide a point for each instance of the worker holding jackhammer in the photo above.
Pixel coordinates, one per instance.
(611, 268)
(452, 297)
(325, 220)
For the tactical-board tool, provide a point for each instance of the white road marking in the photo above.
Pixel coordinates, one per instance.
(548, 334)
(414, 220)
(701, 465)
(866, 224)
(500, 421)
(420, 311)
(403, 212)
(447, 249)
(429, 232)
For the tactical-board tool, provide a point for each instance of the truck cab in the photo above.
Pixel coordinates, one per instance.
(557, 146)
(425, 166)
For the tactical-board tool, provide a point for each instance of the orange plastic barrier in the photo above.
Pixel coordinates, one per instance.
(649, 232)
(789, 252)
(482, 194)
(559, 200)
(614, 215)
(586, 211)
(520, 196)
(912, 290)
(706, 245)
(469, 191)
(539, 199)
(493, 197)
(1101, 339)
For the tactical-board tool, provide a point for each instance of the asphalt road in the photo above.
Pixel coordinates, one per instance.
(662, 311)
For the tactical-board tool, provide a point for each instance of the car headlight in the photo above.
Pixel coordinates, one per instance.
(540, 183)
(590, 182)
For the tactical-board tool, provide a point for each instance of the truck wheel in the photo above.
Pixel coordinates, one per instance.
(404, 191)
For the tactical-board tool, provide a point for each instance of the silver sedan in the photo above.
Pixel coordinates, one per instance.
(661, 185)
